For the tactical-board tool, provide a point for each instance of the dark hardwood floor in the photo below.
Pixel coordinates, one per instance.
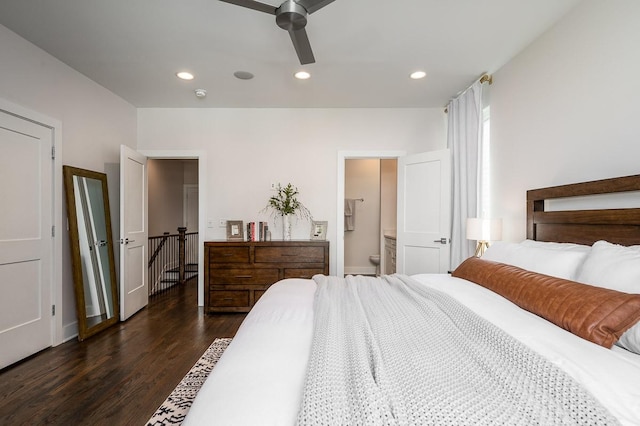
(120, 376)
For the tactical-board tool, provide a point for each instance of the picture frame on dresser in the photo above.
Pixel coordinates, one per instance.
(235, 230)
(318, 230)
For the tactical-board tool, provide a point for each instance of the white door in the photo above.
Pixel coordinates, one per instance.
(424, 213)
(133, 232)
(26, 245)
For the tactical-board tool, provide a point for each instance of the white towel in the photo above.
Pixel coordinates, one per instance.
(349, 214)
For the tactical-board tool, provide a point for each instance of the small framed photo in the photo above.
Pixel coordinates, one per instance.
(318, 229)
(235, 230)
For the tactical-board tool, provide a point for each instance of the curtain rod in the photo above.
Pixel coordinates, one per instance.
(486, 78)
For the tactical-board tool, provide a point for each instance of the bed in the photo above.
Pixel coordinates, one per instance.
(527, 291)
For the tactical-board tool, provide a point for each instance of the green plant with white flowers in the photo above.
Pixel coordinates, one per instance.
(285, 202)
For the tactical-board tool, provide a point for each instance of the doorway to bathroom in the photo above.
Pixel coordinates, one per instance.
(422, 210)
(370, 206)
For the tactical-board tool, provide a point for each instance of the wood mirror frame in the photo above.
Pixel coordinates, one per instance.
(91, 242)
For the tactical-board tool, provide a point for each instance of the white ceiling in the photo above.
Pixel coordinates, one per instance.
(364, 49)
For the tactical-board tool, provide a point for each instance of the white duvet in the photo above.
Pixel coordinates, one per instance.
(259, 378)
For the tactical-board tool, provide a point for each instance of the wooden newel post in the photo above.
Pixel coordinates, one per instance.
(181, 253)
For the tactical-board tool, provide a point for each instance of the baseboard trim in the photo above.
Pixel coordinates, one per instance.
(69, 331)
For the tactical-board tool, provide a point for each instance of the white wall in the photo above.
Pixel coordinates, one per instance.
(94, 124)
(247, 149)
(566, 109)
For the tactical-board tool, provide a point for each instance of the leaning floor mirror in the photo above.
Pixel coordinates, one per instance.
(92, 258)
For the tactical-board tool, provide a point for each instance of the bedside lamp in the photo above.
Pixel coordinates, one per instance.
(483, 231)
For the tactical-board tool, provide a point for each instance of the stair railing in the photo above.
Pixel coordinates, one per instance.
(173, 261)
(158, 248)
(181, 253)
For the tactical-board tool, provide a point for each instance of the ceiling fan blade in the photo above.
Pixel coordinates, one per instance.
(302, 46)
(313, 5)
(255, 5)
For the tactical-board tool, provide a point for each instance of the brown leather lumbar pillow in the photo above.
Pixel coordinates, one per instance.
(597, 314)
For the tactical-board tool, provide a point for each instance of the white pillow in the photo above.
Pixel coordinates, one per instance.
(630, 340)
(612, 266)
(499, 251)
(556, 246)
(618, 268)
(553, 262)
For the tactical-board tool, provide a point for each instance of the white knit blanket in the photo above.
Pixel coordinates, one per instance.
(389, 351)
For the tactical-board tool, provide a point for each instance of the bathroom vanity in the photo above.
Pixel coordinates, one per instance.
(389, 252)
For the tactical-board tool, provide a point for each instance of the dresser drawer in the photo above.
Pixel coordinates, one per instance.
(292, 254)
(258, 294)
(219, 276)
(302, 272)
(229, 254)
(228, 298)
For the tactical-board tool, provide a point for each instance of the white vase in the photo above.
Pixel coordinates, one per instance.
(286, 227)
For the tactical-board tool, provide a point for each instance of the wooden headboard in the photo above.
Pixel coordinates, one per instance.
(620, 226)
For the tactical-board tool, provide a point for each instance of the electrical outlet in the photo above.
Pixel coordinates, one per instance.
(274, 186)
(210, 223)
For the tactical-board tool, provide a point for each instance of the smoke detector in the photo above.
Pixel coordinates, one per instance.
(201, 93)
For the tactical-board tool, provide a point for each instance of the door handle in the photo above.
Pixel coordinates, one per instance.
(441, 241)
(127, 241)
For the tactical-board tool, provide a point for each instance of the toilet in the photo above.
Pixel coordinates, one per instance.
(375, 259)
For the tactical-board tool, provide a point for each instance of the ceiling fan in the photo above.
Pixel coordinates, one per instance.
(292, 17)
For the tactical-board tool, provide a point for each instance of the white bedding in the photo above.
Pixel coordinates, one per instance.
(259, 378)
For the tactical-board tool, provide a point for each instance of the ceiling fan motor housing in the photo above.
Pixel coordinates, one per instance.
(291, 16)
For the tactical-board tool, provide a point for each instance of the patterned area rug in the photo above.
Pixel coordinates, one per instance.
(174, 409)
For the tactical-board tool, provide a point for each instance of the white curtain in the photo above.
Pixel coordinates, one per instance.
(464, 140)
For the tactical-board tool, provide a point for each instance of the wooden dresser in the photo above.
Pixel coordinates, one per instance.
(236, 274)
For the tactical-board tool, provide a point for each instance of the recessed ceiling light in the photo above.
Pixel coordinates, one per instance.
(243, 75)
(417, 75)
(302, 75)
(184, 75)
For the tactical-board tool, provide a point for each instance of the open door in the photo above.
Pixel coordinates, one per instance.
(424, 213)
(134, 292)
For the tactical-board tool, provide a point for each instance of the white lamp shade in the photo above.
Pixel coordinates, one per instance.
(484, 229)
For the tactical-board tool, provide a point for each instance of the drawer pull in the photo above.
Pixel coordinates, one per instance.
(228, 298)
(287, 254)
(227, 254)
(244, 276)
